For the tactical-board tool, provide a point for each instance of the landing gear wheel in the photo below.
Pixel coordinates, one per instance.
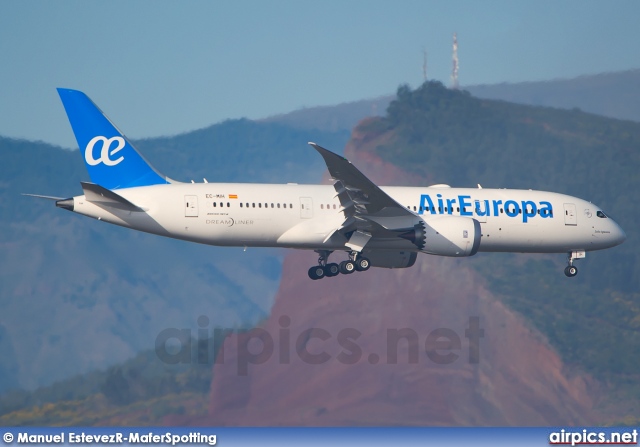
(362, 264)
(316, 272)
(572, 270)
(332, 269)
(347, 267)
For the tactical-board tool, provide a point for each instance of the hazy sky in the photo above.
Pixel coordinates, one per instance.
(166, 67)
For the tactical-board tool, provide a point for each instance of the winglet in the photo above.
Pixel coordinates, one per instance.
(326, 153)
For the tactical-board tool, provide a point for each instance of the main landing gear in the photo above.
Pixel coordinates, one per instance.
(354, 263)
(571, 270)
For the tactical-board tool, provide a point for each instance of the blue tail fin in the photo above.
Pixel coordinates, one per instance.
(110, 158)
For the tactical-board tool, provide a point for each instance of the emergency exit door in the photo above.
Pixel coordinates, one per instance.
(306, 207)
(190, 206)
(570, 217)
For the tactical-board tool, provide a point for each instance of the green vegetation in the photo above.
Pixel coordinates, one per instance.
(141, 390)
(95, 410)
(448, 136)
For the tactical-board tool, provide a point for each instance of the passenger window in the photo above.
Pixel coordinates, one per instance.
(240, 204)
(259, 205)
(272, 206)
(214, 204)
(321, 206)
(228, 205)
(278, 205)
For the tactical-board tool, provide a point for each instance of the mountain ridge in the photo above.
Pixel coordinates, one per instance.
(77, 295)
(604, 94)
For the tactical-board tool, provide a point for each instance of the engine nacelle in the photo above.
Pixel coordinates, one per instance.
(390, 259)
(452, 236)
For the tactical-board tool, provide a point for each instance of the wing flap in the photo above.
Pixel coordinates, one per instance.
(358, 240)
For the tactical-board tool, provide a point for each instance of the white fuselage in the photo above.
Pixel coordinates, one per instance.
(304, 216)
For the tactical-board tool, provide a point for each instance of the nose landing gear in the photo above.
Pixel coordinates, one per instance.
(571, 270)
(354, 263)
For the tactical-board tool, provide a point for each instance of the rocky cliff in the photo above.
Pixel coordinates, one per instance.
(428, 345)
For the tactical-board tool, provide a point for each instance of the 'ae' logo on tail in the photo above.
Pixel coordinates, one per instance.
(106, 152)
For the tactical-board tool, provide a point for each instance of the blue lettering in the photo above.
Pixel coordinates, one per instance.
(496, 203)
(426, 203)
(464, 205)
(526, 212)
(547, 211)
(486, 208)
(511, 212)
(512, 208)
(449, 203)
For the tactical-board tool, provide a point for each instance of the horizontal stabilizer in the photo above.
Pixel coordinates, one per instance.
(42, 197)
(104, 197)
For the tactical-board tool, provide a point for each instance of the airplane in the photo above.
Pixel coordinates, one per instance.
(376, 226)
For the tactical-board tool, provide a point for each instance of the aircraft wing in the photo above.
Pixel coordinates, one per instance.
(369, 211)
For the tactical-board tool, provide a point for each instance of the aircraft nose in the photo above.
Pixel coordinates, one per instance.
(618, 235)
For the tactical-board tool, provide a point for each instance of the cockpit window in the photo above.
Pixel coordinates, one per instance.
(601, 215)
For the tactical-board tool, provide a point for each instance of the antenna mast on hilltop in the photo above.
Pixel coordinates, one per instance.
(424, 64)
(454, 71)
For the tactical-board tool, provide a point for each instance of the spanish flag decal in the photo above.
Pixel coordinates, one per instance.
(233, 196)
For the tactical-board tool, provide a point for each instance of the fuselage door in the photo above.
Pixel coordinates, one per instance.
(306, 207)
(570, 216)
(190, 206)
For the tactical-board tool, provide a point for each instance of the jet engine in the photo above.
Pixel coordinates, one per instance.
(451, 236)
(390, 259)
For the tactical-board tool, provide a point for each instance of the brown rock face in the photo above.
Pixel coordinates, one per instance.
(428, 345)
